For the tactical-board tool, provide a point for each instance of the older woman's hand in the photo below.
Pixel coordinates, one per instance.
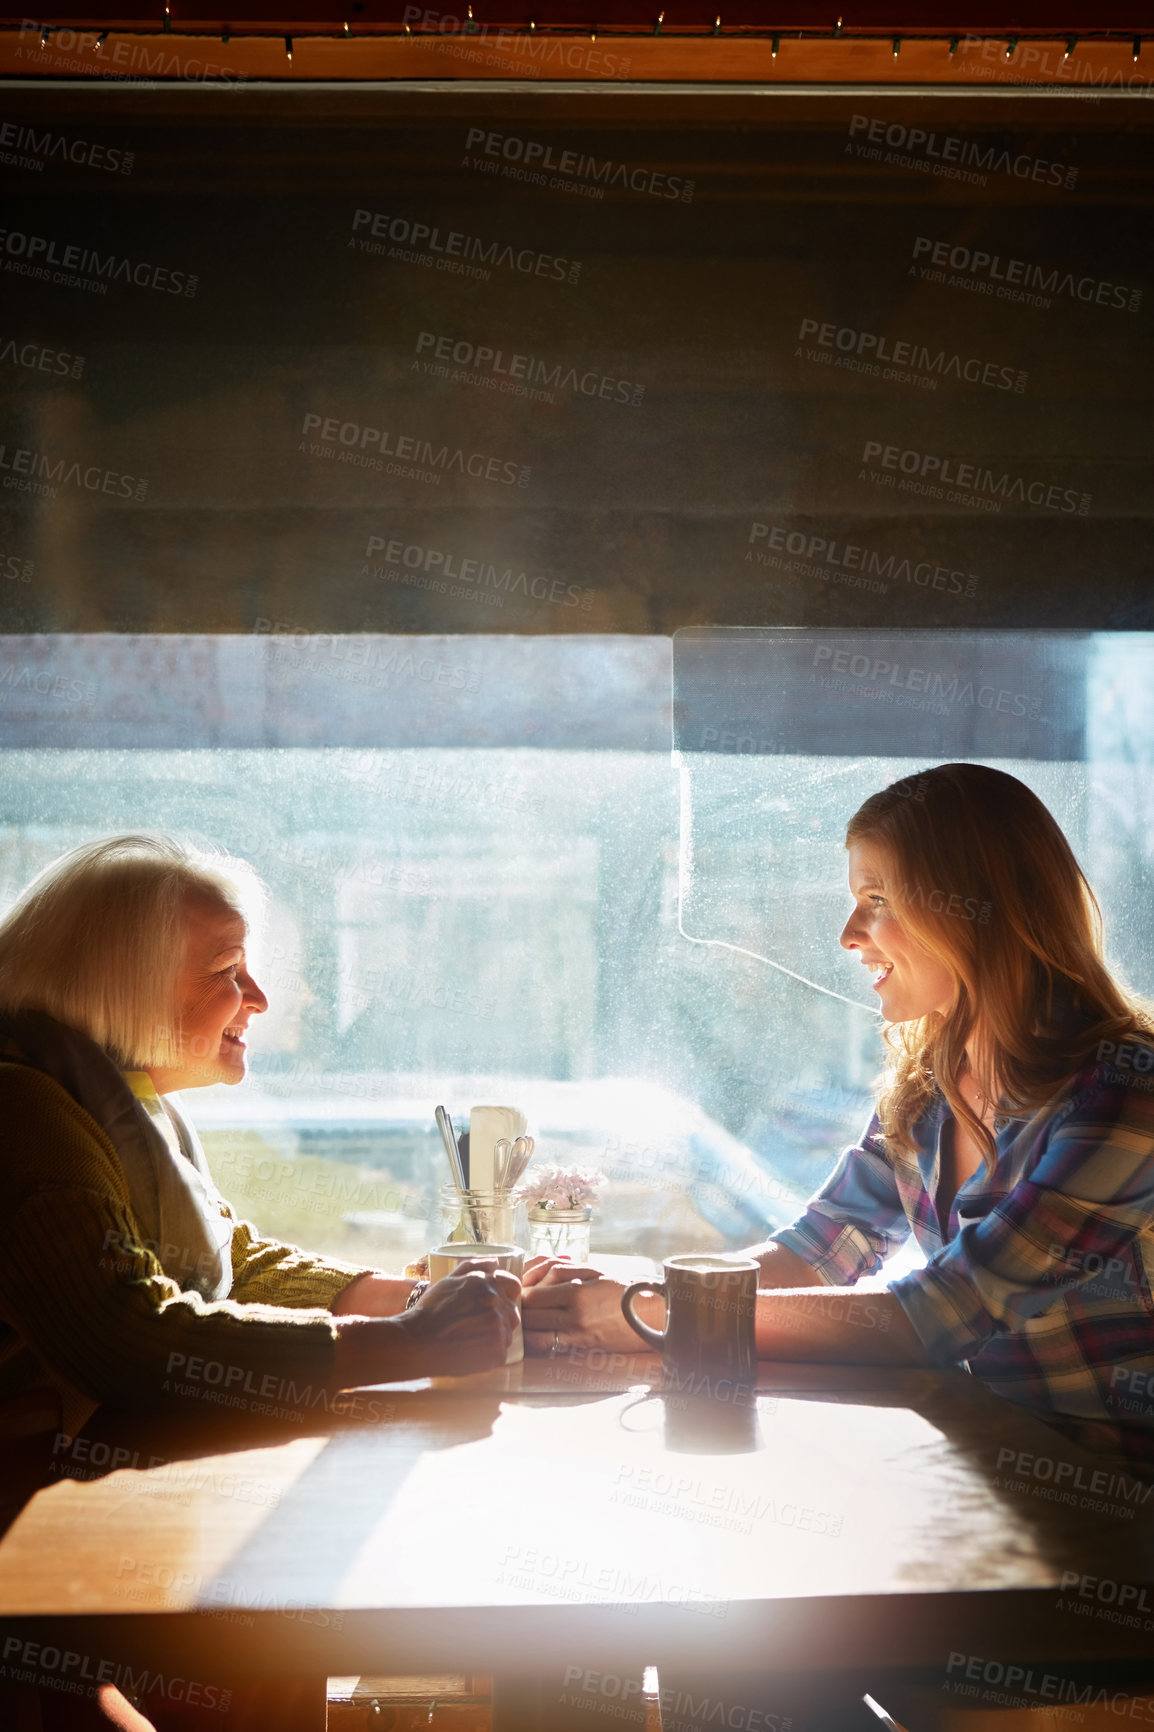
(463, 1323)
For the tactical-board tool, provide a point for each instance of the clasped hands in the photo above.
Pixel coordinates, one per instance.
(563, 1305)
(567, 1305)
(465, 1322)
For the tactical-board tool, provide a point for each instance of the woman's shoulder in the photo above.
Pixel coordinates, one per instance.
(48, 1135)
(1114, 1084)
(1121, 1060)
(1124, 1062)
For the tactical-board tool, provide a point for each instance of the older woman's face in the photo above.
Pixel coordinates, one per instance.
(218, 997)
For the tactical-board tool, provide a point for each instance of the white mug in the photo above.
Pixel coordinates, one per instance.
(444, 1259)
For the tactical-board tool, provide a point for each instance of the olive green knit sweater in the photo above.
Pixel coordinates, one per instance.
(84, 1306)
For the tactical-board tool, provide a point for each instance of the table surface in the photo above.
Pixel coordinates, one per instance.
(869, 1513)
(505, 1519)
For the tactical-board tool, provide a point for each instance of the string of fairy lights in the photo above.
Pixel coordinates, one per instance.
(470, 26)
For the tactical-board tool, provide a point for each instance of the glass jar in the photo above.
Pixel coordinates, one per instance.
(489, 1217)
(560, 1233)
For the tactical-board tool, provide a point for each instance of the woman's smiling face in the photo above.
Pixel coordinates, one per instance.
(909, 981)
(217, 996)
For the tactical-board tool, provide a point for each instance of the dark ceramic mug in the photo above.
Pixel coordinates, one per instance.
(710, 1306)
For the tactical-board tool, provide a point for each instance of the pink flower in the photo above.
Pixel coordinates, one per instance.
(561, 1187)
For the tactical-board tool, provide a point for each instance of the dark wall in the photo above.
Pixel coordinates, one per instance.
(714, 437)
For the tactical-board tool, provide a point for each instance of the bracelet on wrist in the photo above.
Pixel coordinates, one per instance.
(419, 1287)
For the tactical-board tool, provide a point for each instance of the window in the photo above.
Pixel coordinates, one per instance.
(487, 878)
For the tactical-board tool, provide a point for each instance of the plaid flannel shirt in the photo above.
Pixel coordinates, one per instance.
(1041, 1279)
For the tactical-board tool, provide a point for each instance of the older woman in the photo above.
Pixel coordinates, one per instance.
(123, 979)
(126, 1276)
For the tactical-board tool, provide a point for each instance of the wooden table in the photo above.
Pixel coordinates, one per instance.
(557, 1513)
(566, 1515)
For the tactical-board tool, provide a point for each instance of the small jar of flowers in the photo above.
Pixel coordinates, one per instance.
(560, 1207)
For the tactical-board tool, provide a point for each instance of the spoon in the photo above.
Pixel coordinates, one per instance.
(445, 1126)
(457, 1167)
(520, 1155)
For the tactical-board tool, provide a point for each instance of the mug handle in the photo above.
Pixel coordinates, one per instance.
(654, 1338)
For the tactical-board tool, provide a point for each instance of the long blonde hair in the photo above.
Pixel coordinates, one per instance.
(97, 940)
(981, 877)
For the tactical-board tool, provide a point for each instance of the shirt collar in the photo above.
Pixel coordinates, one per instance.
(141, 1085)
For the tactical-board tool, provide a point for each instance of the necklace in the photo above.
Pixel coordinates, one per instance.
(976, 1097)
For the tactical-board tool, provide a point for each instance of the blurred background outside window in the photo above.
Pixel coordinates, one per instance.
(468, 904)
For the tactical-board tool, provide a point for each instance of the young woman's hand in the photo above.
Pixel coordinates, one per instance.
(554, 1269)
(576, 1307)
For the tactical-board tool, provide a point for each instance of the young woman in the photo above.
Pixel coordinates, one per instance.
(1013, 1136)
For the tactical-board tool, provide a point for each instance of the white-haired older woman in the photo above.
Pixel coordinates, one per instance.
(124, 978)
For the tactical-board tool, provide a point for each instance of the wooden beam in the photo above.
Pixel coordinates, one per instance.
(974, 62)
